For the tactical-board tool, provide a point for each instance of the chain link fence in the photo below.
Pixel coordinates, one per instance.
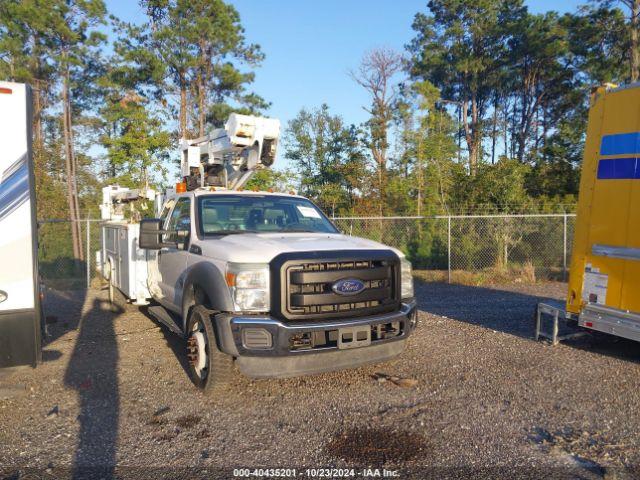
(467, 249)
(58, 266)
(476, 248)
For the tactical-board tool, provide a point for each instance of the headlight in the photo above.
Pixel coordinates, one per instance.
(249, 286)
(406, 279)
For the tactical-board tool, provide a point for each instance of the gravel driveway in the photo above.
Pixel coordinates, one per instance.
(472, 396)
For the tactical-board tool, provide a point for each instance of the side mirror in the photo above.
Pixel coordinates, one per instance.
(183, 236)
(151, 234)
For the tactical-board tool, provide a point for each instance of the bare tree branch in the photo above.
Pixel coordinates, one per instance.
(376, 74)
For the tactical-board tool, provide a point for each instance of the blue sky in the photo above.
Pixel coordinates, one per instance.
(310, 45)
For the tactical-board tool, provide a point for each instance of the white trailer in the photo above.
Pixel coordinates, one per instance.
(20, 309)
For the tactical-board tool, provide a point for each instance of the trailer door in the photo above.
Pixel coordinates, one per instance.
(20, 314)
(630, 298)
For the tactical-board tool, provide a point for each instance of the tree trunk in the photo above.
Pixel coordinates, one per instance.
(201, 105)
(420, 181)
(476, 135)
(70, 164)
(38, 100)
(494, 133)
(183, 106)
(635, 55)
(522, 139)
(514, 131)
(505, 125)
(467, 131)
(545, 130)
(380, 161)
(202, 94)
(472, 133)
(37, 118)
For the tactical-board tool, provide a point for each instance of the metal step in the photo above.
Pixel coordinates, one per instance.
(555, 310)
(167, 319)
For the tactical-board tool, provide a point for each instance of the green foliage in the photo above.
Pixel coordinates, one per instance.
(136, 144)
(328, 158)
(428, 161)
(521, 79)
(199, 46)
(269, 179)
(501, 185)
(599, 43)
(491, 119)
(460, 48)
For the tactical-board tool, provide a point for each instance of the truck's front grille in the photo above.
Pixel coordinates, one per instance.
(309, 293)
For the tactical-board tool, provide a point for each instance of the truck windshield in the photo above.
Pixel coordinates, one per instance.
(229, 214)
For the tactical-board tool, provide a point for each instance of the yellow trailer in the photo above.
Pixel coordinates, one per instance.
(604, 281)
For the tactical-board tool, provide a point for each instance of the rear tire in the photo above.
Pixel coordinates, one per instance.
(209, 368)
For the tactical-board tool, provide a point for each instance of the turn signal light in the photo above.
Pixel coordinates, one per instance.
(181, 187)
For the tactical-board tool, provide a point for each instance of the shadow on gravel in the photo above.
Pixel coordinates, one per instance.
(510, 312)
(63, 311)
(93, 371)
(604, 344)
(500, 310)
(175, 342)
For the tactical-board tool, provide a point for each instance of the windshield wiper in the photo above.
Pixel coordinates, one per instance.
(230, 232)
(297, 230)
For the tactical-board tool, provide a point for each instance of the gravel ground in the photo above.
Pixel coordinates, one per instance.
(473, 395)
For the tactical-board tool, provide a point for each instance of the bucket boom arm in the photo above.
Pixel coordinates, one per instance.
(228, 156)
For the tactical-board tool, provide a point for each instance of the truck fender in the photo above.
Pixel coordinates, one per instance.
(210, 280)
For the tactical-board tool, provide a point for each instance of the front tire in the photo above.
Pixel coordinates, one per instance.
(209, 368)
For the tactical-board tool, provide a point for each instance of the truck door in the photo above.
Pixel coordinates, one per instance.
(172, 261)
(20, 314)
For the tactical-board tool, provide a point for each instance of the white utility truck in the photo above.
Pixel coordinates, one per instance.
(264, 280)
(20, 312)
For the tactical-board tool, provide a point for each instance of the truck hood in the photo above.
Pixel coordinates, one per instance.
(263, 247)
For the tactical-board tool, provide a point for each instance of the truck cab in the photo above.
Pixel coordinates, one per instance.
(265, 281)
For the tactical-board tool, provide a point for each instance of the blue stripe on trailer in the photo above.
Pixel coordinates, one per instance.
(14, 190)
(620, 144)
(618, 168)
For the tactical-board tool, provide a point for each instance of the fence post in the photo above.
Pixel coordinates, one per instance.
(88, 254)
(564, 244)
(449, 249)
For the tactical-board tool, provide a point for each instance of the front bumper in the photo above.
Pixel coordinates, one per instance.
(279, 358)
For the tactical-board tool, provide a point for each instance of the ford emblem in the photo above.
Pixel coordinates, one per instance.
(348, 286)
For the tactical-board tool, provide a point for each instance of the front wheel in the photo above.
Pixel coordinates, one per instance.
(209, 368)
